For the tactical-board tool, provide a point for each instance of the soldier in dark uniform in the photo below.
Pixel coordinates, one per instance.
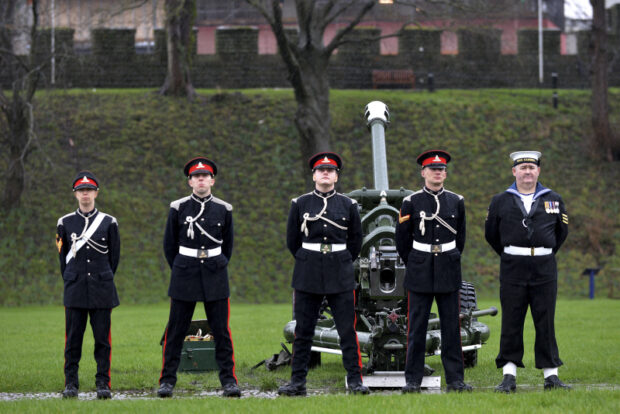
(324, 233)
(198, 244)
(89, 250)
(526, 225)
(430, 238)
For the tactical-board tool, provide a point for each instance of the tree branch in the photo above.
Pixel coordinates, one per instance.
(398, 33)
(336, 41)
(327, 19)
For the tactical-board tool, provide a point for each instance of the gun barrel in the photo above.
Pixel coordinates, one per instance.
(378, 118)
(434, 323)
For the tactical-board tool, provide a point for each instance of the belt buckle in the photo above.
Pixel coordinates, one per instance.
(203, 254)
(435, 248)
(533, 251)
(326, 248)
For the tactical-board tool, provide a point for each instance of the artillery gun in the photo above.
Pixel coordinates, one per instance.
(381, 306)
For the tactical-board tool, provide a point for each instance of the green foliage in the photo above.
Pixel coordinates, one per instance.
(137, 143)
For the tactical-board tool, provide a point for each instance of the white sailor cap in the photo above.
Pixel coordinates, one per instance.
(521, 157)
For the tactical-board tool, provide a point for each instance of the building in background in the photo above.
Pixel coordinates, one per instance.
(144, 16)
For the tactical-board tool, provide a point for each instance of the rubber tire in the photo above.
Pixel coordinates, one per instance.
(468, 301)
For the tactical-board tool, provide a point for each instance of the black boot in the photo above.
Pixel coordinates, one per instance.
(411, 388)
(552, 382)
(103, 391)
(508, 385)
(165, 390)
(71, 391)
(231, 390)
(292, 389)
(458, 386)
(358, 388)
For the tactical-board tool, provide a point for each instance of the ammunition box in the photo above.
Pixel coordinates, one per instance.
(198, 356)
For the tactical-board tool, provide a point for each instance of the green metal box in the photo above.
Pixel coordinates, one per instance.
(197, 356)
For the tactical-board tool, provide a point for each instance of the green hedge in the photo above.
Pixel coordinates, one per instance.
(137, 143)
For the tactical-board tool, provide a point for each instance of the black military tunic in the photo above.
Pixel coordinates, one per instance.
(319, 274)
(432, 275)
(316, 272)
(196, 279)
(88, 286)
(527, 280)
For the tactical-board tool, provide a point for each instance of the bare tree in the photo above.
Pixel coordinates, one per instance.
(180, 16)
(602, 137)
(307, 58)
(17, 107)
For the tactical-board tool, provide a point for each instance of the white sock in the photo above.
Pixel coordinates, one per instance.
(510, 368)
(547, 372)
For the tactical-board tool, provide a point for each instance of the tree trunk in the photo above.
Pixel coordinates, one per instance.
(19, 114)
(179, 21)
(603, 142)
(312, 118)
(19, 140)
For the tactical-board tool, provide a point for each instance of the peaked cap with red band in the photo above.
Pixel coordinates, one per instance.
(85, 179)
(200, 165)
(325, 160)
(434, 159)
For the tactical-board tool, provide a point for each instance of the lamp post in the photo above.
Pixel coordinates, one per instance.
(540, 43)
(53, 58)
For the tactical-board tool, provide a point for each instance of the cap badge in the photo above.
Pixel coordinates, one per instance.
(84, 180)
(325, 159)
(200, 165)
(436, 158)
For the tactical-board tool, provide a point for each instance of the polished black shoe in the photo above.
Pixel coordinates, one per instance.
(552, 382)
(292, 390)
(71, 391)
(103, 391)
(458, 386)
(412, 388)
(165, 390)
(508, 385)
(358, 388)
(231, 390)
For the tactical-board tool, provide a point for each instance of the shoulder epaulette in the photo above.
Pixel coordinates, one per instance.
(228, 206)
(294, 200)
(408, 198)
(452, 192)
(63, 217)
(111, 217)
(354, 201)
(176, 203)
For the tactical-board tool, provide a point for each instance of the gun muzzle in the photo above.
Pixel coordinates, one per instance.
(378, 118)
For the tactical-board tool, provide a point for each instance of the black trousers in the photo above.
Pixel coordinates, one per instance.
(419, 308)
(515, 299)
(181, 312)
(306, 306)
(75, 325)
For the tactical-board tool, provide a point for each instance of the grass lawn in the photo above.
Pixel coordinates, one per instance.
(32, 343)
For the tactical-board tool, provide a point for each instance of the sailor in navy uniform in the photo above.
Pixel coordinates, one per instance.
(198, 244)
(430, 238)
(324, 234)
(89, 250)
(526, 225)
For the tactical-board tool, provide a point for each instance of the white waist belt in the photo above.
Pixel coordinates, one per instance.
(199, 253)
(324, 248)
(528, 251)
(434, 248)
